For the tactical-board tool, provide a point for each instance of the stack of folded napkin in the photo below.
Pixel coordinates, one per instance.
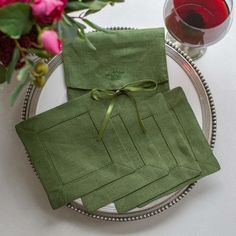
(123, 137)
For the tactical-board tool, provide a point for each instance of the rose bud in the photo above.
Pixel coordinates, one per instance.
(51, 42)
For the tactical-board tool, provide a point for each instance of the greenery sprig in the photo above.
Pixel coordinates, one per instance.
(26, 33)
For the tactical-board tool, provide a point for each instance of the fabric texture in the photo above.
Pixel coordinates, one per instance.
(63, 147)
(129, 56)
(193, 135)
(115, 141)
(163, 134)
(121, 57)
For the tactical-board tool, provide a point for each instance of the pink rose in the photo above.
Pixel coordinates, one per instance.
(46, 11)
(51, 42)
(7, 2)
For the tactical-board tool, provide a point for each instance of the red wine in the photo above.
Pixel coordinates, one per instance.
(197, 22)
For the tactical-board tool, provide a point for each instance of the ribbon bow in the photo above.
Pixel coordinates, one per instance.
(137, 86)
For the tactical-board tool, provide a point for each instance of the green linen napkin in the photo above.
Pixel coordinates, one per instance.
(69, 159)
(63, 148)
(121, 57)
(193, 135)
(163, 133)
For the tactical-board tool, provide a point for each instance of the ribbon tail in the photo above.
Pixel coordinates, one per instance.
(106, 119)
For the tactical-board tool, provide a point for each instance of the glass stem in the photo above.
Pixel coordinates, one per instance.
(193, 52)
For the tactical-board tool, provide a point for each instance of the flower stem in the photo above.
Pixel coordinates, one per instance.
(22, 50)
(36, 45)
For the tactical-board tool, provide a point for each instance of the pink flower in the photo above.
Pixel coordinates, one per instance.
(47, 11)
(7, 2)
(51, 42)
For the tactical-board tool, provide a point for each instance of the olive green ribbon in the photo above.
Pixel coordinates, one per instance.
(113, 94)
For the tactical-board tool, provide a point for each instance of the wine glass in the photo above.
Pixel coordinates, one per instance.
(195, 24)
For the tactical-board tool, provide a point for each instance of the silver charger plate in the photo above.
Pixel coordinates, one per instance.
(182, 72)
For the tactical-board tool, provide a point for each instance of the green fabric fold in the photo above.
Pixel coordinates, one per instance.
(124, 57)
(174, 152)
(62, 144)
(193, 135)
(126, 165)
(121, 57)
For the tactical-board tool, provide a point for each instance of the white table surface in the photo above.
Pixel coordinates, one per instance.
(210, 208)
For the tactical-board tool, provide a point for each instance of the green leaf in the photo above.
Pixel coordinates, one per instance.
(15, 19)
(66, 19)
(97, 5)
(39, 52)
(14, 95)
(76, 6)
(96, 27)
(23, 72)
(89, 12)
(93, 5)
(67, 32)
(12, 65)
(90, 45)
(80, 26)
(117, 1)
(2, 74)
(83, 35)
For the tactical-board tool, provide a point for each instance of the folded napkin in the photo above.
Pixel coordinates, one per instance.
(62, 142)
(193, 135)
(121, 57)
(63, 147)
(161, 132)
(118, 140)
(124, 57)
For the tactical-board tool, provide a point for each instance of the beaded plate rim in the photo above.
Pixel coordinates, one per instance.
(132, 216)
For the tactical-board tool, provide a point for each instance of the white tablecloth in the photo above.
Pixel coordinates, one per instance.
(210, 209)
